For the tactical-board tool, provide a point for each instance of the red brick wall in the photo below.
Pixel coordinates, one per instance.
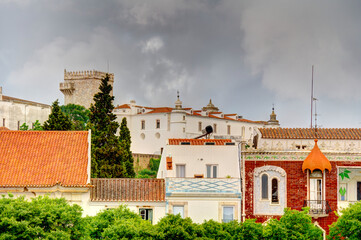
(296, 188)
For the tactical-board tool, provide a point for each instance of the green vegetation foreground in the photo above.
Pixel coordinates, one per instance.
(47, 218)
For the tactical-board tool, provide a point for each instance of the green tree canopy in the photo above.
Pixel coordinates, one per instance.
(57, 119)
(292, 225)
(348, 225)
(107, 159)
(125, 141)
(78, 115)
(40, 218)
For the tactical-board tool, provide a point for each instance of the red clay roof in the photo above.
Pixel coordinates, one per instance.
(43, 158)
(174, 141)
(127, 189)
(316, 160)
(122, 106)
(309, 133)
(4, 129)
(161, 110)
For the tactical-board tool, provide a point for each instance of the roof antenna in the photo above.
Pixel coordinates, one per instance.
(315, 99)
(312, 97)
(178, 94)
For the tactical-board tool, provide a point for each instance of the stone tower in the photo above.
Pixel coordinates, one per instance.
(273, 118)
(79, 87)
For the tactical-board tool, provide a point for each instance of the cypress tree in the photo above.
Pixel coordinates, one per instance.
(125, 141)
(57, 119)
(106, 150)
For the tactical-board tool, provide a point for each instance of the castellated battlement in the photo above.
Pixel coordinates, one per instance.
(79, 87)
(74, 75)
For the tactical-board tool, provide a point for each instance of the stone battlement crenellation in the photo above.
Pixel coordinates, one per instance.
(74, 75)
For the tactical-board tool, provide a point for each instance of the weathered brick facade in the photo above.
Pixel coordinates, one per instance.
(296, 187)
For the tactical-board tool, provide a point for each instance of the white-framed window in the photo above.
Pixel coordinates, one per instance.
(212, 171)
(264, 186)
(142, 124)
(146, 214)
(157, 123)
(180, 170)
(228, 214)
(199, 126)
(178, 209)
(229, 129)
(274, 189)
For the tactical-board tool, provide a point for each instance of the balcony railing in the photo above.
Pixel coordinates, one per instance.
(203, 185)
(318, 208)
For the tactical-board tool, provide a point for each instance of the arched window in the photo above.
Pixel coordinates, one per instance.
(264, 186)
(274, 190)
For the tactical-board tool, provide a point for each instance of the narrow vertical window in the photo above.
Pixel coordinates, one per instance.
(215, 128)
(18, 125)
(229, 129)
(274, 190)
(212, 171)
(264, 186)
(178, 209)
(157, 124)
(180, 171)
(200, 126)
(142, 125)
(3, 122)
(228, 214)
(146, 214)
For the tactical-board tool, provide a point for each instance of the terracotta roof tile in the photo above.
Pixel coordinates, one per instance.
(127, 189)
(160, 110)
(122, 106)
(4, 129)
(174, 141)
(43, 158)
(309, 133)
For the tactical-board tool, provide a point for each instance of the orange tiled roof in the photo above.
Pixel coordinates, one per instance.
(309, 133)
(127, 189)
(316, 160)
(4, 129)
(160, 110)
(178, 141)
(43, 158)
(122, 106)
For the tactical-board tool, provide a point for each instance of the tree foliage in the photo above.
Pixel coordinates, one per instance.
(24, 127)
(57, 119)
(78, 115)
(348, 225)
(125, 142)
(40, 218)
(106, 150)
(152, 171)
(292, 225)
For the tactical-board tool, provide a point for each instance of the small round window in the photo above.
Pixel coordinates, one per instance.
(142, 136)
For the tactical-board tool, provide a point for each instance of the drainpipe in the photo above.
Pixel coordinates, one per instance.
(243, 174)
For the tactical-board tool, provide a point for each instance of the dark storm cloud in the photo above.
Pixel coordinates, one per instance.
(245, 55)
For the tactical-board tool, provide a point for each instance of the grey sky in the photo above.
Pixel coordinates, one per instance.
(245, 55)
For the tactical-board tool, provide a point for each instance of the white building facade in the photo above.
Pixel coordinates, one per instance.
(151, 128)
(202, 179)
(14, 112)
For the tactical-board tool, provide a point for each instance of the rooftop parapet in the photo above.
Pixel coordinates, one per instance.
(79, 75)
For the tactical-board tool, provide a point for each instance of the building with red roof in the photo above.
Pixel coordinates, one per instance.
(151, 127)
(57, 163)
(301, 167)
